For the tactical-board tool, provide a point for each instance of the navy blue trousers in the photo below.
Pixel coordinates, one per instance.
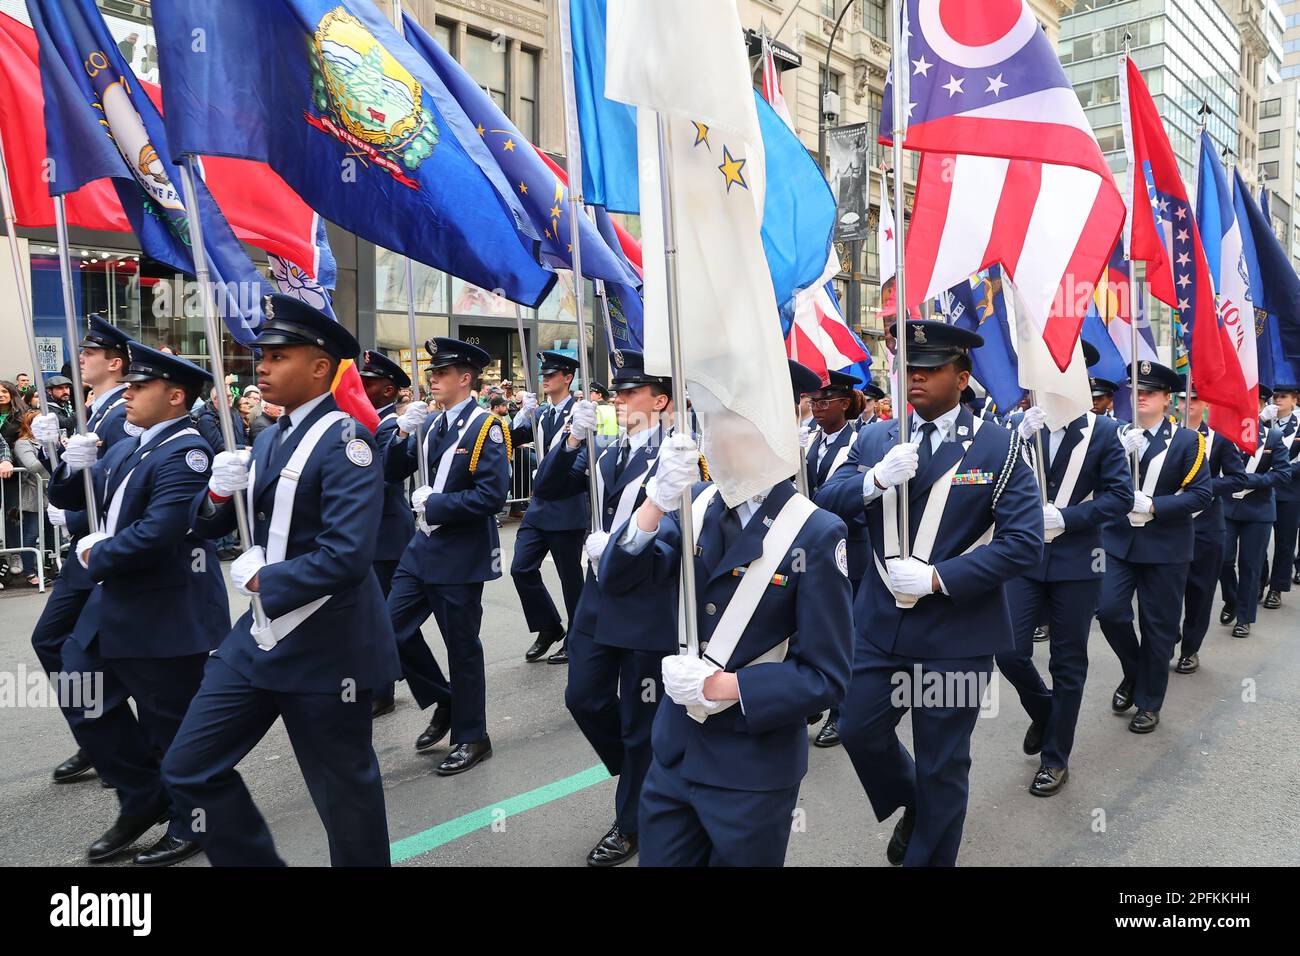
(458, 611)
(690, 824)
(613, 693)
(384, 572)
(1245, 547)
(531, 547)
(1198, 607)
(1284, 545)
(937, 782)
(1160, 589)
(331, 740)
(1068, 607)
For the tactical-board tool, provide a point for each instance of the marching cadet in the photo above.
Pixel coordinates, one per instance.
(1285, 569)
(315, 494)
(1088, 484)
(1226, 466)
(826, 454)
(935, 618)
(555, 525)
(616, 642)
(1249, 515)
(871, 393)
(730, 744)
(148, 566)
(453, 551)
(383, 379)
(1103, 397)
(1149, 550)
(102, 360)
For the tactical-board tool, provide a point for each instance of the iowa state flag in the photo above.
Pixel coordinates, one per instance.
(100, 124)
(329, 95)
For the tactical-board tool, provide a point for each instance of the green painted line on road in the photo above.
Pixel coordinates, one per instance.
(436, 836)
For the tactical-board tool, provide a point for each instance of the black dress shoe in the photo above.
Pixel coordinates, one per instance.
(1241, 630)
(166, 851)
(78, 765)
(1123, 698)
(1295, 578)
(543, 644)
(1188, 664)
(125, 831)
(1228, 614)
(1041, 634)
(615, 847)
(464, 757)
(379, 708)
(559, 657)
(1048, 780)
(1144, 721)
(1273, 601)
(1034, 737)
(438, 727)
(828, 736)
(897, 848)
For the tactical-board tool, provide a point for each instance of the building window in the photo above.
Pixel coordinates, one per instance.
(874, 18)
(1268, 170)
(485, 60)
(1270, 139)
(527, 85)
(1270, 108)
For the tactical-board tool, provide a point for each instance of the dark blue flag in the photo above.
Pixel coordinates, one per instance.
(101, 124)
(980, 306)
(1278, 284)
(354, 120)
(626, 307)
(544, 198)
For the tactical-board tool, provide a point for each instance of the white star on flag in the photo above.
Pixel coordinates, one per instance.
(1184, 259)
(1183, 235)
(922, 67)
(1181, 213)
(953, 86)
(996, 86)
(1184, 280)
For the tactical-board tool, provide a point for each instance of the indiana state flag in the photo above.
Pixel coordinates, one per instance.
(328, 94)
(100, 124)
(979, 305)
(544, 198)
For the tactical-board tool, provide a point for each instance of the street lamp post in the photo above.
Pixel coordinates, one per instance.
(823, 84)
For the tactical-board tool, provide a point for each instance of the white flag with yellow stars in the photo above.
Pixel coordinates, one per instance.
(686, 59)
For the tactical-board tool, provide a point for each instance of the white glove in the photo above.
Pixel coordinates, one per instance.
(88, 542)
(245, 567)
(229, 472)
(1269, 414)
(684, 677)
(263, 636)
(1131, 440)
(805, 437)
(910, 577)
(1033, 419)
(898, 465)
(1053, 520)
(679, 468)
(1141, 503)
(57, 516)
(595, 546)
(45, 428)
(527, 409)
(419, 496)
(82, 451)
(582, 423)
(409, 421)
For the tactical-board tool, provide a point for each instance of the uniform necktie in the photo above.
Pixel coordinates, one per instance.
(926, 451)
(283, 423)
(441, 431)
(623, 451)
(731, 528)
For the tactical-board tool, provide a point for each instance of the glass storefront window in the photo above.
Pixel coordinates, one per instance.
(469, 299)
(485, 60)
(527, 87)
(390, 284)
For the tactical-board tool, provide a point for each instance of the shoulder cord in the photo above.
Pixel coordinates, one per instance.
(1196, 465)
(1015, 448)
(488, 422)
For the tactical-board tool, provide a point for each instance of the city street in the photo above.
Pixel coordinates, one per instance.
(1214, 785)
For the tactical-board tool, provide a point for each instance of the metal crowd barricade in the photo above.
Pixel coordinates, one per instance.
(521, 478)
(18, 525)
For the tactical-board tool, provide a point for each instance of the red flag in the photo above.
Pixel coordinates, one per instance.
(1163, 221)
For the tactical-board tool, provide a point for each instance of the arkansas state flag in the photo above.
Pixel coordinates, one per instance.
(1166, 236)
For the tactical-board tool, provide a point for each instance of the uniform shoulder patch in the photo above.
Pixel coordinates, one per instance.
(197, 460)
(359, 453)
(495, 434)
(842, 557)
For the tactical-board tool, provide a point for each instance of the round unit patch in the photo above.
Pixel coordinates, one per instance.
(495, 434)
(842, 557)
(359, 453)
(197, 460)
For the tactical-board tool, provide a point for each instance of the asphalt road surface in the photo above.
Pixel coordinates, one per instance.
(1214, 785)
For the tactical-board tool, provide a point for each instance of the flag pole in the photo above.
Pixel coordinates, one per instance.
(70, 328)
(213, 333)
(1039, 460)
(1126, 116)
(24, 303)
(573, 147)
(528, 378)
(678, 370)
(900, 286)
(422, 460)
(1204, 113)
